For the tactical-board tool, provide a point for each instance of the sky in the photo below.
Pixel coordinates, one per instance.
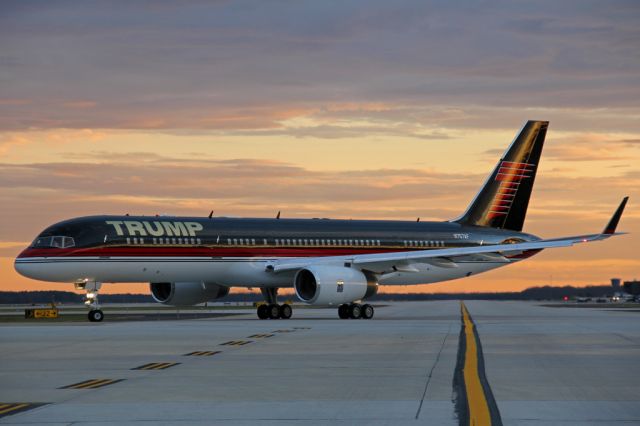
(341, 109)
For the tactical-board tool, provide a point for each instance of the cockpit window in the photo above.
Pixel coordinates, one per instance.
(57, 242)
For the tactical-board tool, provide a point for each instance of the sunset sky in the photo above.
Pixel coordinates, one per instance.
(366, 109)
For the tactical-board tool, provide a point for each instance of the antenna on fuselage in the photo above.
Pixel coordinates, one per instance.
(278, 215)
(418, 220)
(211, 214)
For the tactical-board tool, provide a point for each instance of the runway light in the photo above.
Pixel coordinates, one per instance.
(91, 295)
(565, 298)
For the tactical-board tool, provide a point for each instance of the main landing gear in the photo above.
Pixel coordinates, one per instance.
(91, 299)
(271, 310)
(355, 311)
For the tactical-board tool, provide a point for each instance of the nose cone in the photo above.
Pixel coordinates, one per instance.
(24, 267)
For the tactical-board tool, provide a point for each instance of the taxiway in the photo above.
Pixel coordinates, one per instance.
(544, 366)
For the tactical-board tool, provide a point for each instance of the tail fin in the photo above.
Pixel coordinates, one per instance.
(503, 200)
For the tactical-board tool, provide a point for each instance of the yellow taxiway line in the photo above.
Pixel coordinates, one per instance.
(479, 413)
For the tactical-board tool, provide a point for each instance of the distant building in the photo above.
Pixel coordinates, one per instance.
(615, 283)
(632, 287)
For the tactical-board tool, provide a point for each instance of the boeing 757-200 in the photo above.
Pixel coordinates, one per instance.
(191, 260)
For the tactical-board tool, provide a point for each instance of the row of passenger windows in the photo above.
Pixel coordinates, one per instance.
(420, 243)
(303, 242)
(165, 241)
(282, 242)
(325, 242)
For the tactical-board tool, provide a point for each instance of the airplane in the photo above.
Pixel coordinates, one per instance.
(192, 260)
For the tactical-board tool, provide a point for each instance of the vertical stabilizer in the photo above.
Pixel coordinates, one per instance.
(503, 200)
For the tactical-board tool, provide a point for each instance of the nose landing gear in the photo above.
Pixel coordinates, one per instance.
(91, 299)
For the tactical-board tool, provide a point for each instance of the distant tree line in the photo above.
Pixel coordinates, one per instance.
(533, 293)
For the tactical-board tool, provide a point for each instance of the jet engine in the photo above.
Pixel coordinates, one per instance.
(333, 285)
(186, 293)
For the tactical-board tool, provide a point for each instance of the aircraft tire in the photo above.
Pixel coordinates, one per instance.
(367, 311)
(285, 311)
(96, 315)
(273, 311)
(263, 312)
(343, 311)
(355, 311)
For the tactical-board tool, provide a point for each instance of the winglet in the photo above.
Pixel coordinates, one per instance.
(613, 223)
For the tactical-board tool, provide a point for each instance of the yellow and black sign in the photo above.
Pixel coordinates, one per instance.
(6, 409)
(202, 353)
(156, 366)
(236, 342)
(92, 384)
(40, 313)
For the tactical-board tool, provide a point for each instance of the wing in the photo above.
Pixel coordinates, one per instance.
(402, 261)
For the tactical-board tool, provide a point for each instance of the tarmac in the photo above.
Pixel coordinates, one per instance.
(542, 366)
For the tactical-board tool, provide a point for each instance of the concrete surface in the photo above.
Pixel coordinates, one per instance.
(544, 365)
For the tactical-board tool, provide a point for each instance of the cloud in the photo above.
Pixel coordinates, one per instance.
(12, 248)
(229, 65)
(588, 147)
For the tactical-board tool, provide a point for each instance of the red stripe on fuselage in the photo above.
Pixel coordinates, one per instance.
(177, 251)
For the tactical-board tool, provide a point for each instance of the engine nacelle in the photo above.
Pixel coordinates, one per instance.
(333, 285)
(186, 293)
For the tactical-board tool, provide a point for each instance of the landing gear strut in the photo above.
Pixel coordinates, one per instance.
(91, 299)
(271, 310)
(355, 311)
